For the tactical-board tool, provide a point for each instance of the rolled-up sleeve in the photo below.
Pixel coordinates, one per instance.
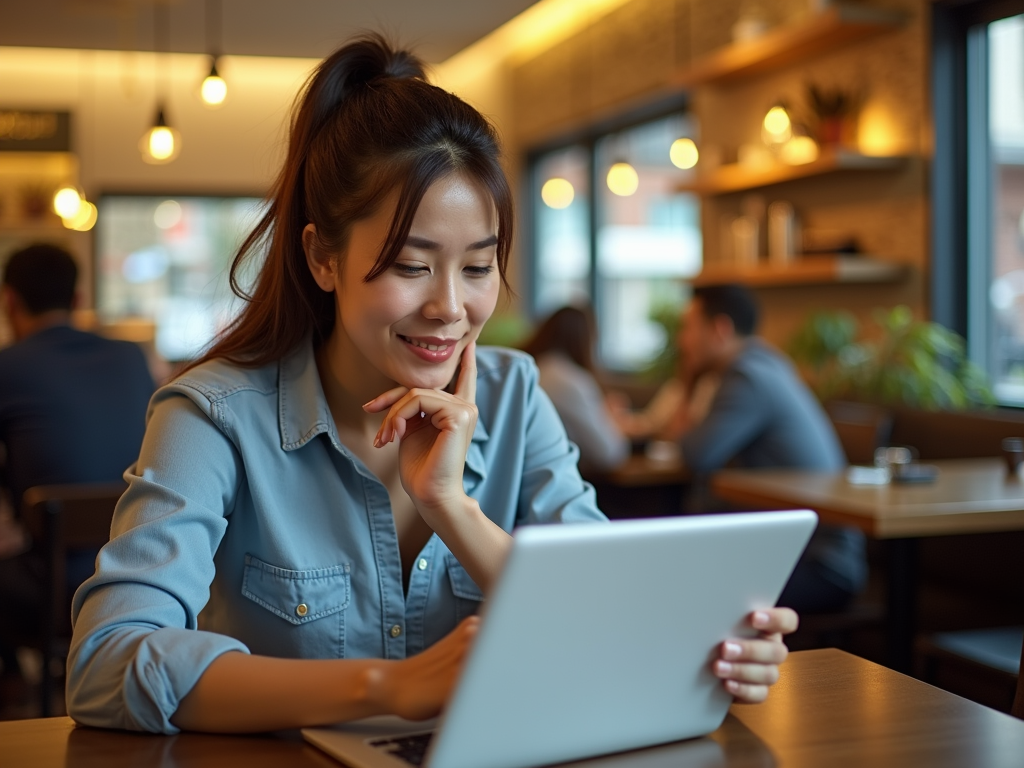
(136, 650)
(552, 490)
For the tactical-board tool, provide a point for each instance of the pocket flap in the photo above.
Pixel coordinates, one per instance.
(298, 597)
(462, 585)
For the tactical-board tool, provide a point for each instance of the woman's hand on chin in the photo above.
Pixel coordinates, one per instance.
(434, 430)
(748, 668)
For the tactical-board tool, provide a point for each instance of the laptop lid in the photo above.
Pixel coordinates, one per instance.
(599, 638)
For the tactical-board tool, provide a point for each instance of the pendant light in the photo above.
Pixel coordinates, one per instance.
(622, 179)
(161, 143)
(214, 89)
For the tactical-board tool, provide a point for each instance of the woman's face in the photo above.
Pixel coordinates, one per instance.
(413, 322)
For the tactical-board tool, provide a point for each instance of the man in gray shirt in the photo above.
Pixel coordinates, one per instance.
(764, 416)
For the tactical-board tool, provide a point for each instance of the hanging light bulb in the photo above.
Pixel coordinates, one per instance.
(66, 201)
(777, 128)
(161, 143)
(622, 179)
(213, 90)
(683, 153)
(84, 219)
(557, 193)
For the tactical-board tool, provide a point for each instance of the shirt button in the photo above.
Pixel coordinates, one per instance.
(422, 564)
(301, 609)
(396, 631)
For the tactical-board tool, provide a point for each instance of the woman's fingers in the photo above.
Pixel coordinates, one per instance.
(465, 387)
(775, 620)
(761, 674)
(769, 650)
(428, 403)
(386, 400)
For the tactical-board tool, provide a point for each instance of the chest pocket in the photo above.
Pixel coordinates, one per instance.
(298, 597)
(467, 594)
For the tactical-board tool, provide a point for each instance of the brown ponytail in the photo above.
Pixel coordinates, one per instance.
(367, 123)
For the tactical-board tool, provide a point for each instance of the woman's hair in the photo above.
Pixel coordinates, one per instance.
(366, 124)
(569, 330)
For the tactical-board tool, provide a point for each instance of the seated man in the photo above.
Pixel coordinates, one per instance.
(763, 415)
(72, 410)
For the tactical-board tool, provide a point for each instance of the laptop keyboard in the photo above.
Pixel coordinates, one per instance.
(412, 748)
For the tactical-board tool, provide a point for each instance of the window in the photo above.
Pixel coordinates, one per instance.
(998, 336)
(978, 185)
(623, 242)
(166, 259)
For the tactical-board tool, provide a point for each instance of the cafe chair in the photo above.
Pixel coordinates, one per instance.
(979, 664)
(64, 519)
(861, 428)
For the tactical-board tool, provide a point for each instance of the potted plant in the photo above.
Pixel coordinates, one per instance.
(905, 362)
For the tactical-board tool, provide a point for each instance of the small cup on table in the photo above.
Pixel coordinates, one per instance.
(1013, 452)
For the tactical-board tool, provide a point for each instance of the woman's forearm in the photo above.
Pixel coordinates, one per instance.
(477, 543)
(241, 693)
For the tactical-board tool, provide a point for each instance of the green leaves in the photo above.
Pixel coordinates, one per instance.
(903, 361)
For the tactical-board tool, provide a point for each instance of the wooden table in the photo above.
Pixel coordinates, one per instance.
(641, 487)
(830, 709)
(969, 496)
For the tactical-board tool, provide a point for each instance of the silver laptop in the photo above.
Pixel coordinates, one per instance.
(596, 639)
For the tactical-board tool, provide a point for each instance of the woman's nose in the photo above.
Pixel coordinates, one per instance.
(445, 302)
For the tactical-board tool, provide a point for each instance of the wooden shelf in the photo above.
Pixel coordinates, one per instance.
(805, 270)
(737, 178)
(787, 44)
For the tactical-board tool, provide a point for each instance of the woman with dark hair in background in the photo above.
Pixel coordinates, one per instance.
(563, 346)
(334, 484)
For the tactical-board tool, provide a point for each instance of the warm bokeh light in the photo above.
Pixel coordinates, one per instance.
(84, 219)
(161, 143)
(214, 90)
(878, 132)
(778, 128)
(683, 153)
(623, 179)
(799, 150)
(66, 202)
(557, 193)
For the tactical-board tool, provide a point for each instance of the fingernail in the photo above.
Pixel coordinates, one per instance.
(731, 650)
(732, 686)
(368, 402)
(761, 618)
(723, 668)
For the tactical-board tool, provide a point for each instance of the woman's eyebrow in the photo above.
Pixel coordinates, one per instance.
(429, 245)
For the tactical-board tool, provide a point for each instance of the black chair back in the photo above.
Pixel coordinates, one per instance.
(62, 519)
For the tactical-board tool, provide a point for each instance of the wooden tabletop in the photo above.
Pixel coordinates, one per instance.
(969, 496)
(830, 709)
(641, 470)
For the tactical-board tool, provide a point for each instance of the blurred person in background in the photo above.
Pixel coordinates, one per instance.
(763, 415)
(563, 346)
(72, 410)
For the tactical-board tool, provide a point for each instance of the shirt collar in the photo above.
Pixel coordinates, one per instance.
(302, 407)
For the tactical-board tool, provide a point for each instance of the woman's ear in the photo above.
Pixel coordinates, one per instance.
(321, 264)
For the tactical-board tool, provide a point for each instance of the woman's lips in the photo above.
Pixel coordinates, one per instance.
(431, 349)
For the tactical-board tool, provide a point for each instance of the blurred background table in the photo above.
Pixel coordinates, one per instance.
(641, 487)
(969, 496)
(830, 708)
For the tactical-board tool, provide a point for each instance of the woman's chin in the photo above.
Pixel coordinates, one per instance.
(436, 379)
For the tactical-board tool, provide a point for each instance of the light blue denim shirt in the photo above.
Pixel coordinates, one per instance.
(248, 526)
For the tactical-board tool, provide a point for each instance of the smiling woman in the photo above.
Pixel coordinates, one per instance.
(334, 484)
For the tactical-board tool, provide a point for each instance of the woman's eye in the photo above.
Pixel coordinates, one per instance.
(411, 269)
(479, 271)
